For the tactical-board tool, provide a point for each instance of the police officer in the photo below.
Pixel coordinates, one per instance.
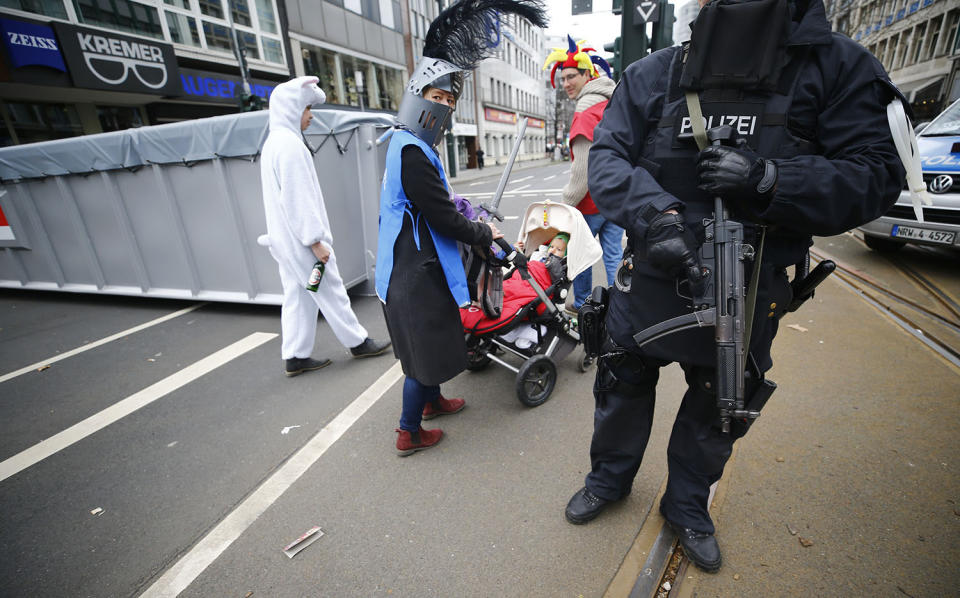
(816, 157)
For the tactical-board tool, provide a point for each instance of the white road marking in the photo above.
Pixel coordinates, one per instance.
(511, 217)
(549, 177)
(518, 189)
(98, 421)
(567, 171)
(523, 179)
(188, 568)
(100, 342)
(475, 184)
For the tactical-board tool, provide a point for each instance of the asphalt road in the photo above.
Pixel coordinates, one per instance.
(175, 466)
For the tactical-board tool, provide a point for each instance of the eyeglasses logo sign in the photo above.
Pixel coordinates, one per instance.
(106, 60)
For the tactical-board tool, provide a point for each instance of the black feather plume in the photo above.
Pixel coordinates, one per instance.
(466, 32)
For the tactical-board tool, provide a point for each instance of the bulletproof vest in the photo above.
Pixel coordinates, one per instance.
(759, 117)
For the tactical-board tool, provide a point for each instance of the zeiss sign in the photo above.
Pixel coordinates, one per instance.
(29, 44)
(107, 60)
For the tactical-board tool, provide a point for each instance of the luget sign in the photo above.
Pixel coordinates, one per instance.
(219, 88)
(30, 44)
(107, 60)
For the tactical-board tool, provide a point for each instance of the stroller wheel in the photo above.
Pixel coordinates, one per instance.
(478, 356)
(584, 363)
(536, 379)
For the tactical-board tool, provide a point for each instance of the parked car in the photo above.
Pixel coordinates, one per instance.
(939, 145)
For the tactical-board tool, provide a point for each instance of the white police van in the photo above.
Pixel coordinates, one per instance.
(939, 145)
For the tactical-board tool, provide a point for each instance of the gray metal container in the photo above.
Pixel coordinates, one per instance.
(175, 210)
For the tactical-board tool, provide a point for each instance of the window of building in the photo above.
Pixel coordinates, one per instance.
(371, 9)
(43, 122)
(266, 16)
(390, 87)
(211, 8)
(178, 3)
(183, 29)
(240, 11)
(386, 13)
(218, 37)
(322, 64)
(49, 8)
(272, 50)
(248, 42)
(353, 6)
(919, 33)
(121, 15)
(117, 118)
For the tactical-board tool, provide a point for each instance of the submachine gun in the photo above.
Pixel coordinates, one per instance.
(720, 301)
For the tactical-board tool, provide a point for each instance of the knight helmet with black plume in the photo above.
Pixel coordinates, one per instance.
(461, 36)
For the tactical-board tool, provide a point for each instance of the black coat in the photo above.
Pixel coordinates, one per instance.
(422, 316)
(851, 175)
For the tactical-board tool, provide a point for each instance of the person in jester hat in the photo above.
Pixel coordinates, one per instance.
(582, 82)
(419, 275)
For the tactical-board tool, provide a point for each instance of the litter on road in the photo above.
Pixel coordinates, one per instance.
(309, 537)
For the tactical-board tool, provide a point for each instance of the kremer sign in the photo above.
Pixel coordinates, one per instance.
(106, 60)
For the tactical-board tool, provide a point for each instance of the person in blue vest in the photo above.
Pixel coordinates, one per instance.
(420, 277)
(815, 157)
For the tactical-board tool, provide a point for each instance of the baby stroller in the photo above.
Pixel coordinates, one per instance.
(532, 325)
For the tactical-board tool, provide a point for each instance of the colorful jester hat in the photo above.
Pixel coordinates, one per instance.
(575, 57)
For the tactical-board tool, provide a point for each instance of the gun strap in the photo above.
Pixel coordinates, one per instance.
(696, 118)
(752, 291)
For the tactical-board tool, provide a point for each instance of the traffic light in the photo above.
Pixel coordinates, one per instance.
(614, 47)
(663, 28)
(250, 102)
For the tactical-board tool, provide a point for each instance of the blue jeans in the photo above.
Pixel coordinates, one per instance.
(415, 398)
(610, 236)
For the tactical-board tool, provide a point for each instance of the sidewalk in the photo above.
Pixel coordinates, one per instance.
(848, 483)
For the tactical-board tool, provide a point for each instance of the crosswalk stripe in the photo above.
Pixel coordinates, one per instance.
(98, 421)
(100, 342)
(188, 568)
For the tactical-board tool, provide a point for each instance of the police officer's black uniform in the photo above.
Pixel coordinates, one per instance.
(825, 128)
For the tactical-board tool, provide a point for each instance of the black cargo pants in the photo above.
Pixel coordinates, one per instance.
(625, 393)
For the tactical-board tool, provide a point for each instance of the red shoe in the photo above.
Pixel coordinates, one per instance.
(410, 442)
(443, 407)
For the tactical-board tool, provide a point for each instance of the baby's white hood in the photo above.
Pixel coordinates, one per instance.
(289, 99)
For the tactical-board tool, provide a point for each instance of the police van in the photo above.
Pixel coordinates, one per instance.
(939, 145)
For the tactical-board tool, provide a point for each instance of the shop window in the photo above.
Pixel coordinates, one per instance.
(121, 15)
(323, 65)
(117, 118)
(183, 29)
(43, 122)
(267, 17)
(272, 51)
(240, 10)
(218, 37)
(49, 8)
(390, 85)
(211, 8)
(349, 66)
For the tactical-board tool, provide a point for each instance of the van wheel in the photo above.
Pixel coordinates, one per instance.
(882, 245)
(536, 379)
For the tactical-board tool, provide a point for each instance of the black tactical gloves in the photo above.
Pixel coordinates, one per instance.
(672, 248)
(737, 174)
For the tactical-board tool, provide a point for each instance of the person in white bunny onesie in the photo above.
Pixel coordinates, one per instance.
(298, 234)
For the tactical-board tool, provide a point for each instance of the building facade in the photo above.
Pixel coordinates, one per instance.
(686, 14)
(355, 47)
(75, 67)
(917, 41)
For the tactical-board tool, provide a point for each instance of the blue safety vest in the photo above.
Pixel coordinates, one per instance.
(395, 206)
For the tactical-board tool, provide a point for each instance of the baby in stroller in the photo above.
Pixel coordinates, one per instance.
(530, 325)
